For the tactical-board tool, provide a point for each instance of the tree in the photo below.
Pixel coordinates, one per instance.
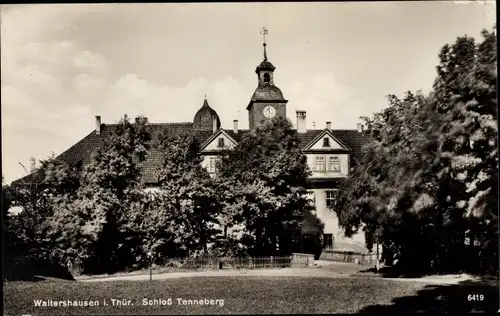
(432, 158)
(91, 228)
(188, 198)
(468, 147)
(264, 179)
(37, 198)
(6, 202)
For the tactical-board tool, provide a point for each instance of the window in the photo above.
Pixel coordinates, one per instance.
(79, 166)
(319, 163)
(327, 240)
(267, 78)
(213, 164)
(312, 199)
(334, 164)
(326, 142)
(330, 198)
(221, 142)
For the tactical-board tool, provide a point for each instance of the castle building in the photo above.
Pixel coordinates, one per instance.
(331, 153)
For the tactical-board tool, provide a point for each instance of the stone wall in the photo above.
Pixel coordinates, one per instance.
(302, 260)
(348, 257)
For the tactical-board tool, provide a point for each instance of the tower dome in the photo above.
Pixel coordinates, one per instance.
(205, 117)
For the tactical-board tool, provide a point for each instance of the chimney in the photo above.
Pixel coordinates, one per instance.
(235, 126)
(360, 127)
(97, 124)
(328, 125)
(301, 121)
(214, 124)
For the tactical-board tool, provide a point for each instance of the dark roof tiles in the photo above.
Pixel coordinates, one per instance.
(203, 119)
(82, 150)
(265, 65)
(267, 92)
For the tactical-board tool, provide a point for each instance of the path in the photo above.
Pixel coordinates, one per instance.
(323, 269)
(295, 272)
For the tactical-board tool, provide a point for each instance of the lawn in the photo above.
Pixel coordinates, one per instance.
(245, 295)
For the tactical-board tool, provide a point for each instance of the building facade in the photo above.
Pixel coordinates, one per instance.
(331, 153)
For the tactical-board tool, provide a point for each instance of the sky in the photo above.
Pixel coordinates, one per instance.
(61, 65)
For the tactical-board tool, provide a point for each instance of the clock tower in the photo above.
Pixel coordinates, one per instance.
(267, 100)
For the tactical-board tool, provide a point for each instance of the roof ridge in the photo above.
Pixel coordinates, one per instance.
(332, 129)
(149, 123)
(172, 123)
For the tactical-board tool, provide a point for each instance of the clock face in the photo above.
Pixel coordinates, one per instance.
(269, 112)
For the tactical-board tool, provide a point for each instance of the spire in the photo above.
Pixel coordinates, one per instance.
(264, 33)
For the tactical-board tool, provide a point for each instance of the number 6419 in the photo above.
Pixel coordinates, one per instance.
(475, 297)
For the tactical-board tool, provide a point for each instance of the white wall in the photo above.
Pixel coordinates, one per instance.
(152, 189)
(330, 219)
(205, 163)
(333, 144)
(214, 145)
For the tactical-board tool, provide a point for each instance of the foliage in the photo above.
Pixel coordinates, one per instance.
(6, 202)
(90, 228)
(429, 178)
(187, 200)
(37, 198)
(262, 183)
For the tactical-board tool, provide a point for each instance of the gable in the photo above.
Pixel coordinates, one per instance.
(332, 142)
(219, 138)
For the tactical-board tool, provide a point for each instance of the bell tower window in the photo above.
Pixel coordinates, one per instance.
(267, 77)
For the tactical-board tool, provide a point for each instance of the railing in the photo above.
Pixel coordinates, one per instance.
(229, 262)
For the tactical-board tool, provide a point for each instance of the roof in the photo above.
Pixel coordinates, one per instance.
(82, 150)
(265, 65)
(267, 92)
(346, 245)
(350, 137)
(203, 119)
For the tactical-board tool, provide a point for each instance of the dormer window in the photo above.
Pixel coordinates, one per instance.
(221, 142)
(334, 164)
(326, 142)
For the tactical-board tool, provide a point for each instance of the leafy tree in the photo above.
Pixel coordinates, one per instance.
(418, 183)
(6, 202)
(468, 147)
(188, 199)
(91, 228)
(264, 179)
(37, 198)
(155, 226)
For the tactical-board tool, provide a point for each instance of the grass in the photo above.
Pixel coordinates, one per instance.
(245, 295)
(155, 270)
(163, 269)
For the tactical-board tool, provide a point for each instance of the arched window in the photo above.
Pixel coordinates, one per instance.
(267, 78)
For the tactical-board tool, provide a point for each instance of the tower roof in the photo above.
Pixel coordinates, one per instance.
(203, 119)
(265, 65)
(267, 93)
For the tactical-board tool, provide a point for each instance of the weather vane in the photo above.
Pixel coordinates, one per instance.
(264, 33)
